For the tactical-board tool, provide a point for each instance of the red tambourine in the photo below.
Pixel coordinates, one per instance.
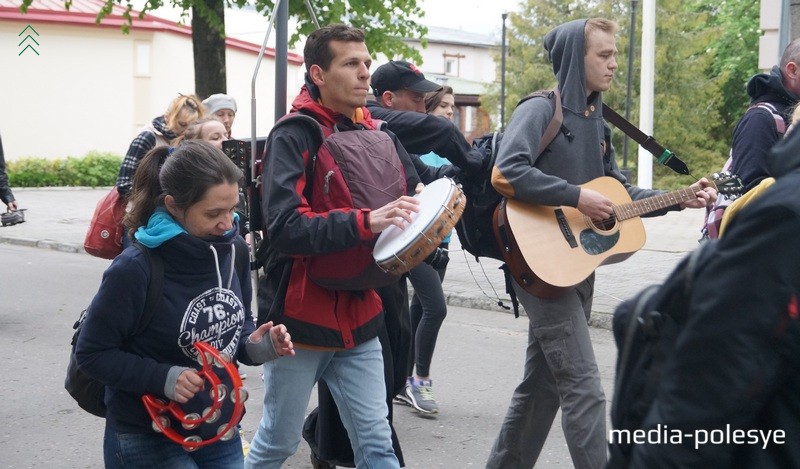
(157, 408)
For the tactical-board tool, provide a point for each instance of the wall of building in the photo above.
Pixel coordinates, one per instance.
(92, 88)
(474, 63)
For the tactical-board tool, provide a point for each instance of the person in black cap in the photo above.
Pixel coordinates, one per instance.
(400, 87)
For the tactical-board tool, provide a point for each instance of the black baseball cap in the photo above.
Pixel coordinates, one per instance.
(401, 75)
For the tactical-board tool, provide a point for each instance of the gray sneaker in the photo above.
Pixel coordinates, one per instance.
(421, 396)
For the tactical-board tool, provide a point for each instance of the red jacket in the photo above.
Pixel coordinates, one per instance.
(315, 316)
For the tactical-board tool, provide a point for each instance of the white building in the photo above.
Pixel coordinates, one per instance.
(85, 86)
(466, 62)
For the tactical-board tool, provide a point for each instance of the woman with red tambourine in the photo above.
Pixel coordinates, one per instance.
(173, 396)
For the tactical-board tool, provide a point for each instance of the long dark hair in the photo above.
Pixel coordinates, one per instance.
(186, 173)
(433, 99)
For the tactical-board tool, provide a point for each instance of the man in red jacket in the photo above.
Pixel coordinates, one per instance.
(334, 331)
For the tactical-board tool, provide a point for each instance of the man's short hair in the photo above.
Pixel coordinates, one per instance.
(597, 24)
(791, 54)
(317, 50)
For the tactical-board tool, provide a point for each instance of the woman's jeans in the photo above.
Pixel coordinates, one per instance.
(155, 451)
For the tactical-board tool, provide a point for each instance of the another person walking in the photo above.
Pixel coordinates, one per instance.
(560, 366)
(773, 95)
(183, 203)
(210, 129)
(6, 196)
(336, 331)
(733, 372)
(428, 307)
(181, 112)
(224, 107)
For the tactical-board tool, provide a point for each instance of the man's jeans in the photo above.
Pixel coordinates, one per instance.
(355, 379)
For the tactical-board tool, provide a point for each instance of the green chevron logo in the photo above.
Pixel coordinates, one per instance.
(28, 40)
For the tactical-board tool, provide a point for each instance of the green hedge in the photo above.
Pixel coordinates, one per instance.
(93, 170)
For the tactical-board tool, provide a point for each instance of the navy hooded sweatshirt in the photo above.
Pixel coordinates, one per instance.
(204, 299)
(757, 132)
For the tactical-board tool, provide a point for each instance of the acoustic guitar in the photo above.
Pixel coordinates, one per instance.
(551, 249)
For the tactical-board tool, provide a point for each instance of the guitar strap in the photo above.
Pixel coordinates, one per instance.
(661, 154)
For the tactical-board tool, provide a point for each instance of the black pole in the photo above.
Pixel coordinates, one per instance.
(503, 77)
(281, 58)
(630, 76)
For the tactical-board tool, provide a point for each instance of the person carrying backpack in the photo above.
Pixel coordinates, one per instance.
(322, 213)
(727, 396)
(183, 207)
(773, 96)
(560, 367)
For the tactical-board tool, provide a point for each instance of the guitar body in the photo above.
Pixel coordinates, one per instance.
(562, 247)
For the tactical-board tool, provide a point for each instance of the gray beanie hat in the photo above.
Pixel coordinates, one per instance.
(218, 101)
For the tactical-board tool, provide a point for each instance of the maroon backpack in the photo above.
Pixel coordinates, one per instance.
(352, 168)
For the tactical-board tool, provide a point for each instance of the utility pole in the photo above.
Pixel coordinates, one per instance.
(646, 96)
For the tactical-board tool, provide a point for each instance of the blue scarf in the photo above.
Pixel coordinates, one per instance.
(161, 227)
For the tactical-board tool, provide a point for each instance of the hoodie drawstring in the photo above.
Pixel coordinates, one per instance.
(216, 264)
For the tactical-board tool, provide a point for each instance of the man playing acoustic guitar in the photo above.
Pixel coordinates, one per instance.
(560, 366)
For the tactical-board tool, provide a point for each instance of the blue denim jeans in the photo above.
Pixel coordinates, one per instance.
(154, 451)
(355, 379)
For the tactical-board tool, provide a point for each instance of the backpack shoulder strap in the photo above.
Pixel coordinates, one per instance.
(780, 122)
(155, 286)
(554, 96)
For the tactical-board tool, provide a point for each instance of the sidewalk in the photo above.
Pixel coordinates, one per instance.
(57, 218)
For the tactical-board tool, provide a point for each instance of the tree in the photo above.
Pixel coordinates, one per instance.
(386, 23)
(735, 53)
(687, 102)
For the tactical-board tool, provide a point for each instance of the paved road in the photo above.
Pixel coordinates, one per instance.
(478, 363)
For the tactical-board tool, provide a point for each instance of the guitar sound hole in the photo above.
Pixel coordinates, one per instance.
(603, 226)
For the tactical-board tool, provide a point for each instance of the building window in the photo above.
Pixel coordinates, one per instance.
(450, 67)
(142, 61)
(469, 119)
(451, 64)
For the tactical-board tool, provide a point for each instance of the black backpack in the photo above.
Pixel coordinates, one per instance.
(646, 329)
(88, 392)
(475, 231)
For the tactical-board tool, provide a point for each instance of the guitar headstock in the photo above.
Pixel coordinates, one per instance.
(727, 184)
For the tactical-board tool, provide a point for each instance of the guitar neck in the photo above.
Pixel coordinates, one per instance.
(640, 207)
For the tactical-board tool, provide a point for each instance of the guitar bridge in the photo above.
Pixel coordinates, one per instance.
(566, 231)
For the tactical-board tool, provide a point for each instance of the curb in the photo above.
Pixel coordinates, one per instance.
(43, 244)
(598, 319)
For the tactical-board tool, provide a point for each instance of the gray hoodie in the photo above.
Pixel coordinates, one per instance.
(576, 155)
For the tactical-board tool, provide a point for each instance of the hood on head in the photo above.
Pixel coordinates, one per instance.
(565, 45)
(770, 84)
